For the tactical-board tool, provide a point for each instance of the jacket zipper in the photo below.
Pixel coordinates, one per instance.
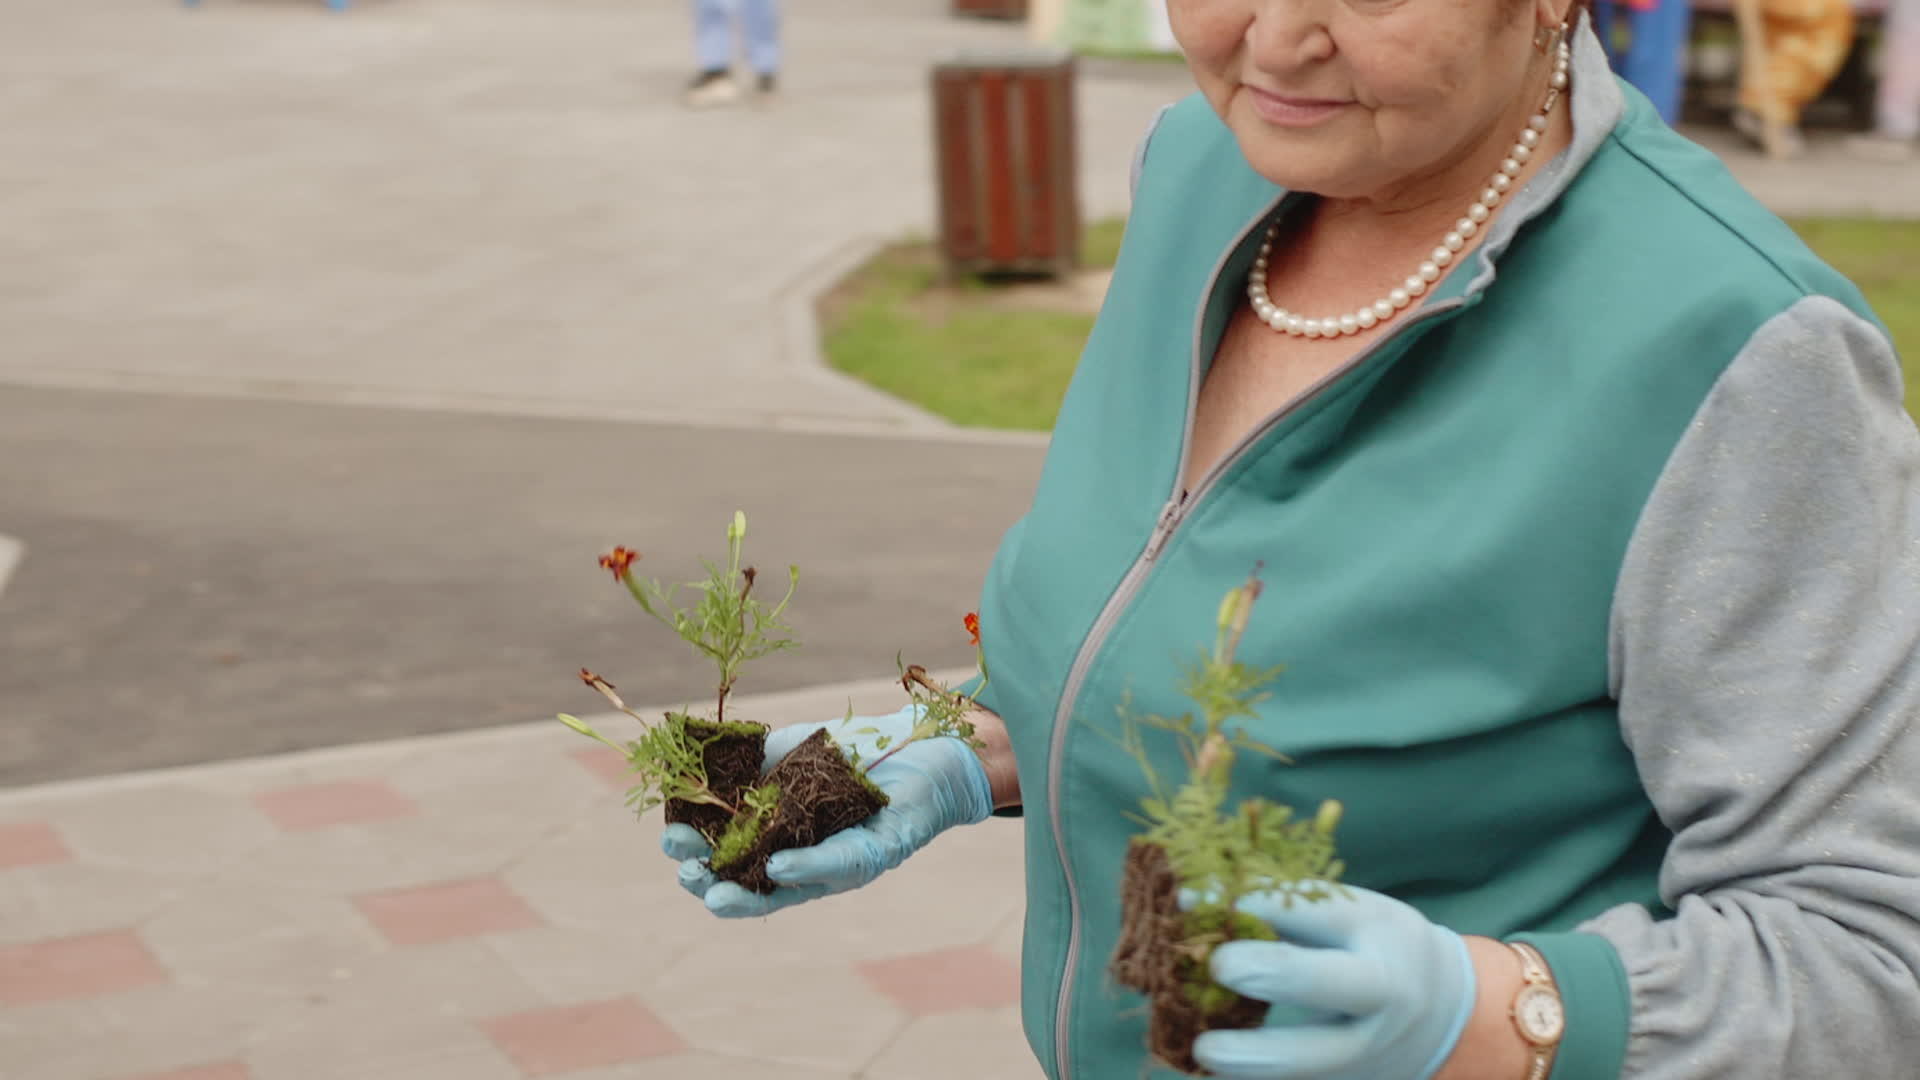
(1175, 511)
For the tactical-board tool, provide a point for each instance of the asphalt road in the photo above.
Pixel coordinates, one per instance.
(206, 578)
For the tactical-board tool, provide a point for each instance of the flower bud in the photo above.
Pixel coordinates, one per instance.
(1329, 817)
(1229, 605)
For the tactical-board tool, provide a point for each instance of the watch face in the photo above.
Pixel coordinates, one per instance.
(1539, 1014)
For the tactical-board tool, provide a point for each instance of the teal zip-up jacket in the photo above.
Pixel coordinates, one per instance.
(1596, 583)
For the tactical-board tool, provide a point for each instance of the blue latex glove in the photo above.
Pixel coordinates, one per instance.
(1371, 990)
(932, 785)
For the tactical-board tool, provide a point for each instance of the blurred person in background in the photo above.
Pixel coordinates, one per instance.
(722, 27)
(1806, 43)
(1897, 105)
(1655, 59)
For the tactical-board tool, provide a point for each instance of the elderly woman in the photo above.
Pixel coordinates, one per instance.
(1590, 520)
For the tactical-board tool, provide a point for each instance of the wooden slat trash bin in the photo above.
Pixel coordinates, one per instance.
(1006, 163)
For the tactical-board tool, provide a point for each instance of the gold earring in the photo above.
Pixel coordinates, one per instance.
(1548, 38)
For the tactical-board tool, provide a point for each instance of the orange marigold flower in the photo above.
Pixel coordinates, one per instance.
(973, 627)
(619, 560)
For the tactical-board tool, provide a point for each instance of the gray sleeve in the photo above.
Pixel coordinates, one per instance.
(1140, 152)
(1766, 657)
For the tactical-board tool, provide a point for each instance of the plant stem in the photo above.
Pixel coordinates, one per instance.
(793, 582)
(730, 665)
(580, 726)
(897, 747)
(706, 795)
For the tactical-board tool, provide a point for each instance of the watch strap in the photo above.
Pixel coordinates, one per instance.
(1534, 970)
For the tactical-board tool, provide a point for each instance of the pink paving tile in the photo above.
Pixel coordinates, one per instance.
(77, 967)
(225, 1070)
(946, 980)
(447, 910)
(608, 764)
(30, 843)
(349, 802)
(582, 1036)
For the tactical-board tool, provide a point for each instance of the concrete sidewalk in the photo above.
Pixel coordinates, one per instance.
(483, 205)
(474, 907)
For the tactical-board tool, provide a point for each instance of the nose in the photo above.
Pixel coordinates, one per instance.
(1286, 36)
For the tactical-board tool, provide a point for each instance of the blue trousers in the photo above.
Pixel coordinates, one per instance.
(758, 23)
(1656, 58)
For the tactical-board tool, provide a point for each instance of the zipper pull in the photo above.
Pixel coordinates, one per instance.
(1163, 527)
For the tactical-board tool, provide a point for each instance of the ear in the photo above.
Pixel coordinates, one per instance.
(1550, 15)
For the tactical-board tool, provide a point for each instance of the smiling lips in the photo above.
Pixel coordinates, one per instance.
(1283, 110)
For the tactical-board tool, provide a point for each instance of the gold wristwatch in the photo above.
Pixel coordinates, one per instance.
(1537, 1011)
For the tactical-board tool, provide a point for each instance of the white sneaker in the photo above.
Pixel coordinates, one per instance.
(1786, 142)
(712, 88)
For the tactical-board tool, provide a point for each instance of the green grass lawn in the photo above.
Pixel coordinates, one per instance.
(1883, 258)
(958, 352)
(967, 354)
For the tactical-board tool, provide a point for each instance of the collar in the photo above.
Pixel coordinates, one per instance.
(1597, 103)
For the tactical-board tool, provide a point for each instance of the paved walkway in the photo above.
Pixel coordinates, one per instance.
(485, 204)
(1827, 181)
(473, 907)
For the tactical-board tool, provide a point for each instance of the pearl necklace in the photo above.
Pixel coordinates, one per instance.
(1390, 305)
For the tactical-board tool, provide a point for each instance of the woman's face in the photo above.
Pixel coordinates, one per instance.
(1362, 98)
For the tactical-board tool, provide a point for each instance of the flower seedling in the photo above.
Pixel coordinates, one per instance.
(1192, 842)
(700, 768)
(707, 772)
(940, 710)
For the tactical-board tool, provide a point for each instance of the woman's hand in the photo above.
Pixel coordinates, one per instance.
(1367, 989)
(932, 785)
